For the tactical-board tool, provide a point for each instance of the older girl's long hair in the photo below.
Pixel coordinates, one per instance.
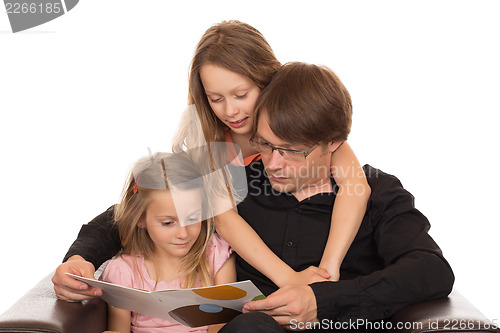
(149, 175)
(239, 48)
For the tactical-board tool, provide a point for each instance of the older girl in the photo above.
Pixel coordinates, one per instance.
(233, 62)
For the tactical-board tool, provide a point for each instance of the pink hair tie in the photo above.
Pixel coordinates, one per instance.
(137, 183)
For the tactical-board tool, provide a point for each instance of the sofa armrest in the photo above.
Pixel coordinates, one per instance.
(452, 314)
(39, 310)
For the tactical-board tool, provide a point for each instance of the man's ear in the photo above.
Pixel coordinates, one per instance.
(333, 146)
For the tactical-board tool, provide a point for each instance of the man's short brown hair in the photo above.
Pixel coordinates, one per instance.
(306, 104)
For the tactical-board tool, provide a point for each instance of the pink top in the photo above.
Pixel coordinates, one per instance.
(130, 271)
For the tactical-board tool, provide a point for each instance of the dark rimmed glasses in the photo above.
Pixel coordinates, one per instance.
(288, 154)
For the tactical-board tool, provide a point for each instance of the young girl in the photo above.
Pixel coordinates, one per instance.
(159, 253)
(233, 62)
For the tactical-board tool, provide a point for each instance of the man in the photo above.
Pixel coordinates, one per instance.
(302, 117)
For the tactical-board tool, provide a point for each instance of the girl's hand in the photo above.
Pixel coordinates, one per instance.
(335, 276)
(307, 276)
(333, 269)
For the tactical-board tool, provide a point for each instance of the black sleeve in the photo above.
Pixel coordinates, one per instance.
(414, 267)
(97, 240)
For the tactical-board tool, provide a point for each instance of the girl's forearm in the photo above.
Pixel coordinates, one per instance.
(247, 243)
(348, 210)
(118, 320)
(347, 214)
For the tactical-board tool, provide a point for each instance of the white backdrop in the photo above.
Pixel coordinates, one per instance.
(83, 96)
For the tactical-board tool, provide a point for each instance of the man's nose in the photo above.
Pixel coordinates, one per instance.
(276, 161)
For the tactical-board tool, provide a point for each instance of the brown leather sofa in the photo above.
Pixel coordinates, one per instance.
(40, 311)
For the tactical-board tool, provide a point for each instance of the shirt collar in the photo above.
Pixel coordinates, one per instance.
(257, 171)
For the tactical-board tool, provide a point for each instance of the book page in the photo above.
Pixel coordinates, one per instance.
(190, 307)
(135, 300)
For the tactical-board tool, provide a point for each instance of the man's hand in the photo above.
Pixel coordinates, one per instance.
(292, 302)
(69, 289)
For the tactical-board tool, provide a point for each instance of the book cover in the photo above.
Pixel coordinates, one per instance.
(190, 307)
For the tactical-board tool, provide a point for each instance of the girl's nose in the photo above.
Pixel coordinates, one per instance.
(231, 109)
(182, 232)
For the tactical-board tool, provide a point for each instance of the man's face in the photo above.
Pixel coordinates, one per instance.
(300, 178)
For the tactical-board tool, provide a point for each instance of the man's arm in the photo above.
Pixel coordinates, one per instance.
(415, 278)
(97, 242)
(414, 267)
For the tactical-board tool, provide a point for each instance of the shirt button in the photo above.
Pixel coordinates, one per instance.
(289, 243)
(295, 209)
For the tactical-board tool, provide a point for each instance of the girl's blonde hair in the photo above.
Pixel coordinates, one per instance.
(239, 48)
(149, 175)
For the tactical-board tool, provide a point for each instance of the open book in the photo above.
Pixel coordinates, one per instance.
(190, 307)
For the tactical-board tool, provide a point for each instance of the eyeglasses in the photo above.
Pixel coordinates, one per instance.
(288, 154)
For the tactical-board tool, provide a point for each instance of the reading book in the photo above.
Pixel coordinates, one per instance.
(190, 307)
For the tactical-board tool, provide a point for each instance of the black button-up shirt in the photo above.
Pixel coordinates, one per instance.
(392, 262)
